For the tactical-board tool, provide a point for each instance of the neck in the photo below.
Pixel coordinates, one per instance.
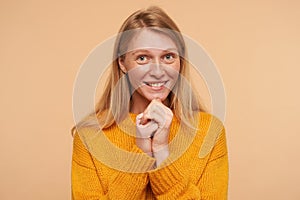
(138, 104)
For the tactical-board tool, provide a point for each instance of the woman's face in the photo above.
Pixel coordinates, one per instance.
(152, 63)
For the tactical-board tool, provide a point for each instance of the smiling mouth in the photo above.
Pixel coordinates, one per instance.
(156, 84)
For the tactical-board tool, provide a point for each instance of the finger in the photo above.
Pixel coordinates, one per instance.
(148, 126)
(157, 99)
(144, 120)
(157, 105)
(141, 119)
(158, 112)
(158, 109)
(146, 131)
(158, 118)
(154, 102)
(151, 127)
(138, 118)
(153, 108)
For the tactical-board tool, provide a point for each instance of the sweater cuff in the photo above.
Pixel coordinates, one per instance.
(137, 161)
(127, 185)
(168, 178)
(131, 182)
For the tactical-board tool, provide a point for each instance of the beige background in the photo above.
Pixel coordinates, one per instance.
(255, 45)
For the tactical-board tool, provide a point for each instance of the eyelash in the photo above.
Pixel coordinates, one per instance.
(169, 54)
(140, 56)
(173, 56)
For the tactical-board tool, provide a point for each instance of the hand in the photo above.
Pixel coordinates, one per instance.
(160, 114)
(144, 134)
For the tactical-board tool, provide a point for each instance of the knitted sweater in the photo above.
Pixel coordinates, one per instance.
(109, 165)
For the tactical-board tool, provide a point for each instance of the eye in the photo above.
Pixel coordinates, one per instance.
(169, 58)
(142, 59)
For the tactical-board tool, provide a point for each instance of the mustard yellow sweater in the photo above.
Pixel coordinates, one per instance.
(108, 164)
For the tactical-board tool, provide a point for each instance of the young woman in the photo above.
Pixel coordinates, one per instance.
(150, 138)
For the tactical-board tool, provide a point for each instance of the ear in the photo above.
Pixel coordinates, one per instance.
(121, 64)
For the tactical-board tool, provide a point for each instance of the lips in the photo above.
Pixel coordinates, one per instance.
(156, 84)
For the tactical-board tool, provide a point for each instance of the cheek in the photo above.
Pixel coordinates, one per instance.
(176, 66)
(136, 76)
(129, 65)
(134, 80)
(173, 71)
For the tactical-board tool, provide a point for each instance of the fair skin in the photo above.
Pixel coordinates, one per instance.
(152, 63)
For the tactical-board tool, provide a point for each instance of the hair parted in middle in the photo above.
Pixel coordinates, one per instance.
(114, 104)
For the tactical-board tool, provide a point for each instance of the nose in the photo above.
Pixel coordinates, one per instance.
(156, 69)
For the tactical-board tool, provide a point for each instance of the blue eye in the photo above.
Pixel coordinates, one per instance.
(169, 56)
(142, 59)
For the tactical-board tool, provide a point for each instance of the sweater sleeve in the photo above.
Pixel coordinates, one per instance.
(87, 183)
(213, 183)
(171, 183)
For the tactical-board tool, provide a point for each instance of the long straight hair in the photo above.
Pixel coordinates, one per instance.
(114, 104)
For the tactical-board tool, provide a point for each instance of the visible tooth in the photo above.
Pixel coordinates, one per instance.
(156, 84)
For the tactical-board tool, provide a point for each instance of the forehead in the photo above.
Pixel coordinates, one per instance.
(149, 39)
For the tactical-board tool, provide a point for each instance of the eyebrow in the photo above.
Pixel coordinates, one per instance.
(174, 50)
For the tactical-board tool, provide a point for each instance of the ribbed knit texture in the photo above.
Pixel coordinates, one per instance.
(108, 164)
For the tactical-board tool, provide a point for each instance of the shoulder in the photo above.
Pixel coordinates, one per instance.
(210, 121)
(81, 148)
(213, 130)
(82, 137)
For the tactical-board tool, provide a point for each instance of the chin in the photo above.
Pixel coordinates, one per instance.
(162, 97)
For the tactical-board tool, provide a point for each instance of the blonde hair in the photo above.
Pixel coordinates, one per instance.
(114, 104)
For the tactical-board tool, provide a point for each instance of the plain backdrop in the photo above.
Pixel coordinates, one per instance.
(255, 45)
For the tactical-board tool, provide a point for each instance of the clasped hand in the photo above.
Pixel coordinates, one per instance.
(152, 130)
